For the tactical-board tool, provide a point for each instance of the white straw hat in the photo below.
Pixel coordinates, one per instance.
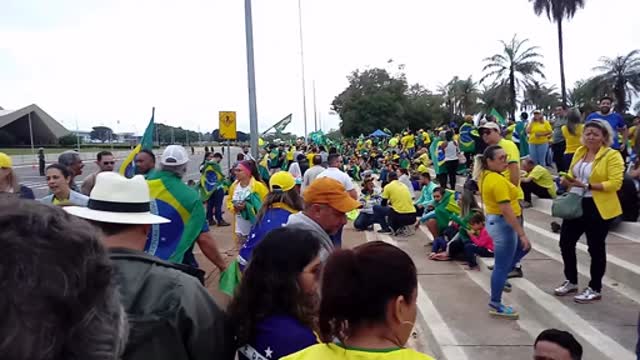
(118, 200)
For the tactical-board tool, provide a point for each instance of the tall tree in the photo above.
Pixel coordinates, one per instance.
(585, 94)
(516, 66)
(541, 96)
(558, 10)
(622, 75)
(497, 96)
(467, 94)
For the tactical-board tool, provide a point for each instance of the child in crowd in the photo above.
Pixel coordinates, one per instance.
(481, 243)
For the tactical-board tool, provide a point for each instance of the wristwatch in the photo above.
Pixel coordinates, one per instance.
(589, 187)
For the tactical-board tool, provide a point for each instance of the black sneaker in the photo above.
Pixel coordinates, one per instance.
(223, 223)
(515, 273)
(385, 231)
(555, 227)
(212, 222)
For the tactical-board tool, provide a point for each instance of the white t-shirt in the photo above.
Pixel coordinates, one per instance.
(336, 174)
(451, 151)
(243, 227)
(582, 171)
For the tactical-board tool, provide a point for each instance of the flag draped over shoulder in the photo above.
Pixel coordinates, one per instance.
(211, 179)
(498, 116)
(467, 143)
(172, 199)
(127, 168)
(445, 208)
(437, 154)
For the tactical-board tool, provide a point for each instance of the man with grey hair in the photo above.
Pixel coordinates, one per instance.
(59, 299)
(174, 200)
(71, 160)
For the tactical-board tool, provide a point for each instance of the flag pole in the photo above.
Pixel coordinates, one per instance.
(251, 78)
(304, 95)
(315, 109)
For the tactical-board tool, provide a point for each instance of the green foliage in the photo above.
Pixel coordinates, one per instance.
(460, 96)
(539, 96)
(496, 96)
(68, 140)
(621, 74)
(586, 93)
(334, 135)
(376, 99)
(516, 66)
(175, 135)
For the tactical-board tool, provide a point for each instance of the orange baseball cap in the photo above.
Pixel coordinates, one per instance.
(330, 192)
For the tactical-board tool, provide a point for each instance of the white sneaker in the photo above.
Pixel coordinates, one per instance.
(566, 288)
(587, 296)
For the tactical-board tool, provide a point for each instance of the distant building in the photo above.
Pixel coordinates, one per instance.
(85, 136)
(15, 129)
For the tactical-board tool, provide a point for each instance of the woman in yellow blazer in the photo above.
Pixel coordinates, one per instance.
(595, 173)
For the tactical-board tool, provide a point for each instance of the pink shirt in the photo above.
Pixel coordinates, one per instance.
(483, 240)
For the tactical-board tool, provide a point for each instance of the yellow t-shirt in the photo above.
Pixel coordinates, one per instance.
(310, 158)
(368, 144)
(573, 141)
(290, 153)
(496, 189)
(422, 169)
(426, 139)
(423, 159)
(513, 156)
(509, 134)
(399, 197)
(61, 202)
(539, 127)
(340, 352)
(543, 177)
(632, 135)
(393, 142)
(408, 141)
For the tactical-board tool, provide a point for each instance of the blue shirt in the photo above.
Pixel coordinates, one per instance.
(273, 218)
(615, 120)
(278, 336)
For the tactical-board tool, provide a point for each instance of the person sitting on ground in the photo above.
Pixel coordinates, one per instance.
(276, 304)
(106, 162)
(475, 240)
(403, 177)
(282, 201)
(326, 204)
(368, 307)
(58, 180)
(9, 186)
(538, 180)
(171, 315)
(71, 160)
(59, 300)
(400, 212)
(369, 197)
(437, 220)
(553, 344)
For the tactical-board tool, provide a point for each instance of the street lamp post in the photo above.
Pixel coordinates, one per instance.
(33, 150)
(251, 79)
(304, 95)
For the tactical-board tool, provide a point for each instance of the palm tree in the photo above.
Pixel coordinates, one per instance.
(496, 97)
(622, 75)
(540, 96)
(516, 66)
(558, 10)
(467, 96)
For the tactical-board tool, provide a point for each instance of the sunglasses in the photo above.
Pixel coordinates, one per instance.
(109, 162)
(485, 132)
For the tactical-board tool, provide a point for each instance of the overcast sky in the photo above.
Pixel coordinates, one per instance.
(97, 62)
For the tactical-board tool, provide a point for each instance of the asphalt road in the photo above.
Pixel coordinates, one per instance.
(29, 176)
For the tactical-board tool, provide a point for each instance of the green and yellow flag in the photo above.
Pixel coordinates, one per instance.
(211, 179)
(498, 116)
(128, 167)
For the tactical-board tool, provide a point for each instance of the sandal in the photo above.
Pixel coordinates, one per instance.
(504, 311)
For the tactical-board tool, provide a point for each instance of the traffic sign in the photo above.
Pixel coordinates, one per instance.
(227, 127)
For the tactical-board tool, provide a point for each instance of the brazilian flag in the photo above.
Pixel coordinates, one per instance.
(172, 199)
(437, 154)
(447, 207)
(128, 168)
(467, 143)
(211, 179)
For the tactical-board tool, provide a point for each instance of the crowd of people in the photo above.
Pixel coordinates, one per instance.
(106, 268)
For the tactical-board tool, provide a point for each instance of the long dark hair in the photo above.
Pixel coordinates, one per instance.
(357, 284)
(270, 283)
(573, 119)
(290, 198)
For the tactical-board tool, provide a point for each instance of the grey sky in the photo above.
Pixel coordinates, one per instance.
(97, 62)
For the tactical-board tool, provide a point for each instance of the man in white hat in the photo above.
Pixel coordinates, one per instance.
(173, 199)
(171, 315)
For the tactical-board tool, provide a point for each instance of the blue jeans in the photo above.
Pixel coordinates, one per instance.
(363, 221)
(507, 252)
(215, 201)
(538, 153)
(380, 214)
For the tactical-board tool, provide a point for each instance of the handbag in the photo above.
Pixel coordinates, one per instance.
(567, 206)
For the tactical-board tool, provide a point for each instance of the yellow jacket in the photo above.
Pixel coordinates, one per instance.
(608, 170)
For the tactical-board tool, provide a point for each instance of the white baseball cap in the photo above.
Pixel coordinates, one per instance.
(174, 155)
(118, 200)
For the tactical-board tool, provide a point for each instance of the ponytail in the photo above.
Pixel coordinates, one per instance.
(479, 165)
